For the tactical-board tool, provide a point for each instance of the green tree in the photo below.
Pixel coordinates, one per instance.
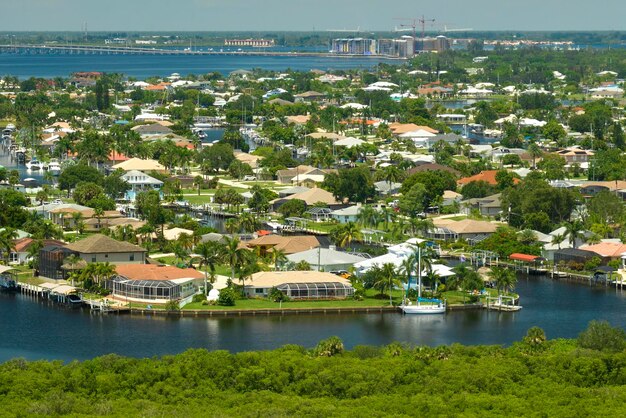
(601, 336)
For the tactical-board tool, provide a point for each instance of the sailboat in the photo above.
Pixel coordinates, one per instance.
(423, 305)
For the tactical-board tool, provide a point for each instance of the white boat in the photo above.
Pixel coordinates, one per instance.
(504, 304)
(34, 164)
(54, 167)
(422, 306)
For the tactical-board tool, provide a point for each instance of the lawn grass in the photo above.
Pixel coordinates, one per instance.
(370, 300)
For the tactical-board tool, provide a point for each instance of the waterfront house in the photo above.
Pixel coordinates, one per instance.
(310, 197)
(326, 259)
(468, 229)
(607, 251)
(51, 260)
(289, 244)
(345, 215)
(21, 246)
(140, 182)
(299, 285)
(99, 248)
(150, 283)
(137, 164)
(486, 206)
(151, 130)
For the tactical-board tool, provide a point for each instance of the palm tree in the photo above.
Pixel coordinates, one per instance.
(248, 222)
(98, 213)
(574, 230)
(408, 268)
(7, 235)
(392, 174)
(209, 255)
(234, 256)
(278, 257)
(33, 253)
(503, 278)
(527, 236)
(558, 239)
(534, 151)
(185, 241)
(368, 216)
(347, 233)
(388, 215)
(79, 225)
(387, 279)
(231, 226)
(198, 181)
(420, 225)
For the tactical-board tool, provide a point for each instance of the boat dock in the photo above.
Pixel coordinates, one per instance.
(106, 305)
(61, 293)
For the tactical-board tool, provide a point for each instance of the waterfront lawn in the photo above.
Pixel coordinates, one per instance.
(370, 300)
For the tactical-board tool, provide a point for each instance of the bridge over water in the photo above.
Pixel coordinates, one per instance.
(129, 50)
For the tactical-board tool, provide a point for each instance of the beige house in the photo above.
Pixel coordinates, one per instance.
(145, 166)
(299, 285)
(101, 249)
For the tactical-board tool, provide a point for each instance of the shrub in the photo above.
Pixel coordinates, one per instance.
(172, 306)
(601, 336)
(276, 295)
(199, 298)
(329, 347)
(227, 297)
(535, 337)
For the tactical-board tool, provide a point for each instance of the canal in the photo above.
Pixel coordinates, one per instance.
(37, 330)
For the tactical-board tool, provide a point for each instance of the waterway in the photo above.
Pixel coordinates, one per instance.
(143, 66)
(37, 330)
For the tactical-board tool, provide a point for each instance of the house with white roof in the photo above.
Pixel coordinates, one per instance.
(346, 215)
(140, 182)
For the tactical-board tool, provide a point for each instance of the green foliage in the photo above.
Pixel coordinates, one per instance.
(75, 174)
(293, 207)
(477, 189)
(553, 376)
(172, 306)
(354, 184)
(227, 297)
(329, 347)
(505, 242)
(277, 296)
(601, 336)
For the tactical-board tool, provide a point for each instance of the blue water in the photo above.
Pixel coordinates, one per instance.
(143, 66)
(38, 330)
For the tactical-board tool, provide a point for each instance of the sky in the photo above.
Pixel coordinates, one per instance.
(307, 15)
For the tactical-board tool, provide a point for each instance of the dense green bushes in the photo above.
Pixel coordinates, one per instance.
(535, 377)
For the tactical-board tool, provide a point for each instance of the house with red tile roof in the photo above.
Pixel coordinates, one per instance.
(488, 176)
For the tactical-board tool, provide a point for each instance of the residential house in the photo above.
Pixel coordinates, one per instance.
(21, 246)
(386, 188)
(607, 251)
(138, 164)
(153, 129)
(345, 215)
(301, 285)
(140, 182)
(310, 97)
(486, 206)
(99, 248)
(326, 259)
(468, 229)
(51, 260)
(488, 176)
(159, 284)
(310, 198)
(289, 244)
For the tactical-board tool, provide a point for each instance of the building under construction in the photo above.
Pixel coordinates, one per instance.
(403, 47)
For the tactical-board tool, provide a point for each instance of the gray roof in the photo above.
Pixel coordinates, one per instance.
(326, 256)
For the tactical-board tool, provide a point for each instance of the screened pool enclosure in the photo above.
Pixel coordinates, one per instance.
(332, 290)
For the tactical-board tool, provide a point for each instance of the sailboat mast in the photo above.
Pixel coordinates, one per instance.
(419, 273)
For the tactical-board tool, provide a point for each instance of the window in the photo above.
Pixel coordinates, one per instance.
(93, 259)
(131, 257)
(106, 256)
(258, 290)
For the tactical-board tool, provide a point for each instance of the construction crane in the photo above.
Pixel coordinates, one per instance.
(412, 25)
(423, 22)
